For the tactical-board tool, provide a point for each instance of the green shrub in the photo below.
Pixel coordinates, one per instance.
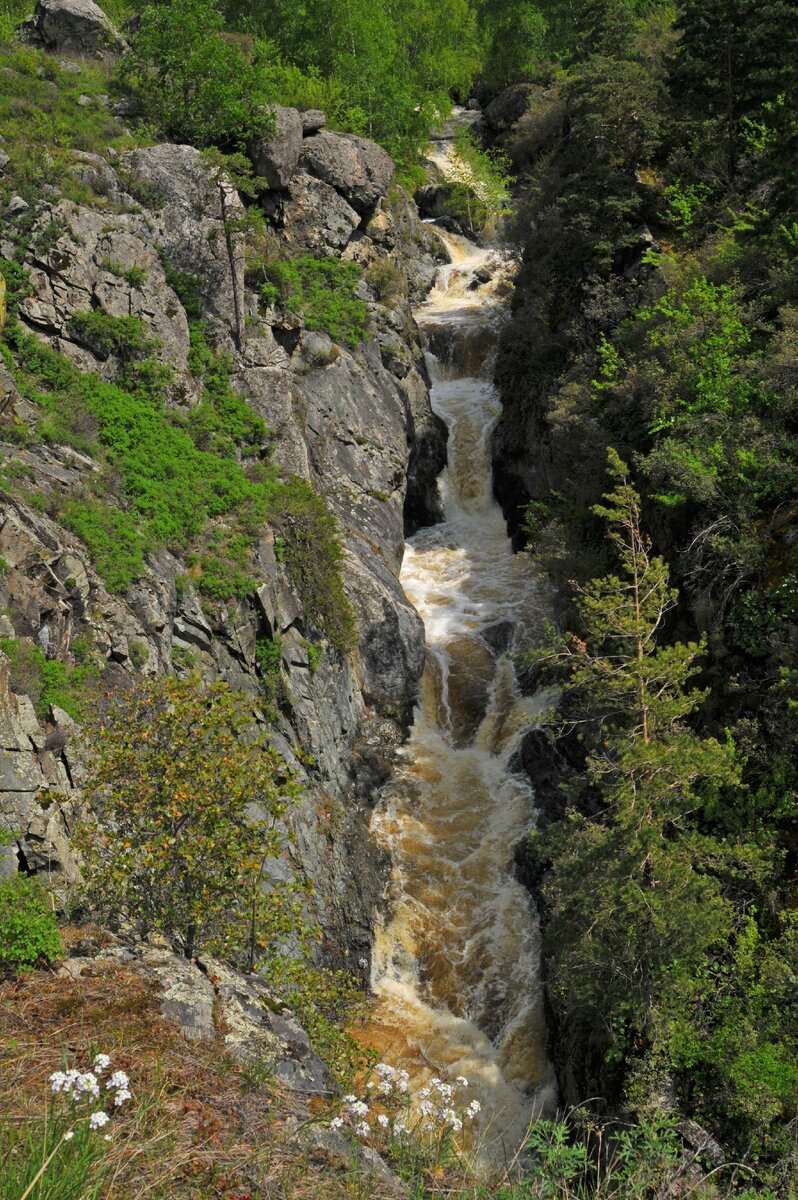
(313, 557)
(196, 796)
(386, 281)
(193, 83)
(113, 539)
(45, 680)
(28, 932)
(105, 334)
(135, 276)
(322, 290)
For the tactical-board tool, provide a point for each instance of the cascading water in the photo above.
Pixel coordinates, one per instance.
(456, 962)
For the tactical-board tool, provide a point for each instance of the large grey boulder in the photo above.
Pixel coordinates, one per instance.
(358, 169)
(316, 217)
(313, 119)
(509, 106)
(275, 158)
(72, 27)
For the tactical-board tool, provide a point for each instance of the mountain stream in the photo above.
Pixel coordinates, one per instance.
(456, 959)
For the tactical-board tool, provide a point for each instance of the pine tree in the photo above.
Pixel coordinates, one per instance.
(629, 900)
(738, 62)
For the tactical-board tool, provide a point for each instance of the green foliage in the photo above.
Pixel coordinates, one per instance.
(269, 657)
(105, 334)
(323, 291)
(313, 558)
(172, 486)
(29, 936)
(610, 950)
(46, 680)
(389, 71)
(386, 281)
(43, 124)
(192, 82)
(479, 183)
(188, 800)
(515, 33)
(135, 276)
(113, 539)
(222, 422)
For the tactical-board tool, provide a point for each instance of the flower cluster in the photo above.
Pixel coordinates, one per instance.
(435, 1110)
(86, 1085)
(438, 1106)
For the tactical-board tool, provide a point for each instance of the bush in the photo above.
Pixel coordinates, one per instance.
(28, 932)
(190, 81)
(322, 290)
(104, 334)
(45, 680)
(386, 281)
(313, 556)
(188, 800)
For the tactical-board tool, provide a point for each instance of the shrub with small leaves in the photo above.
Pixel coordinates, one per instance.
(28, 932)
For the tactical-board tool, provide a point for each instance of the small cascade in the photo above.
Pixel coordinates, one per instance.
(456, 962)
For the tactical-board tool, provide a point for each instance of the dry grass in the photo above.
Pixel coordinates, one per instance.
(201, 1127)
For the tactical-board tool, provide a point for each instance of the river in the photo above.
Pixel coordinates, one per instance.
(456, 958)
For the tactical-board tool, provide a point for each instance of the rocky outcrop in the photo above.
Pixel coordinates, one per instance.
(508, 107)
(313, 119)
(72, 27)
(275, 158)
(354, 422)
(358, 169)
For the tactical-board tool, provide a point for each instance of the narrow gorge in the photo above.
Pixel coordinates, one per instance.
(457, 957)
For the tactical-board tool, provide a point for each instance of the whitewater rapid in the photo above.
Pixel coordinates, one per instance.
(456, 962)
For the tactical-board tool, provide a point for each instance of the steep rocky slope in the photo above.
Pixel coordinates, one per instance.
(353, 421)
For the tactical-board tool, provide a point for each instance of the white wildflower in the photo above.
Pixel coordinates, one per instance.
(427, 1108)
(362, 1129)
(461, 1081)
(383, 1120)
(118, 1080)
(336, 1123)
(68, 1136)
(98, 1119)
(473, 1108)
(101, 1063)
(121, 1097)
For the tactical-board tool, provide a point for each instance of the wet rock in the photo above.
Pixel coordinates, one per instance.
(274, 158)
(358, 169)
(72, 27)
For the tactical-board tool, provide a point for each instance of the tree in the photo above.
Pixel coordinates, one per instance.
(737, 64)
(187, 803)
(630, 894)
(191, 81)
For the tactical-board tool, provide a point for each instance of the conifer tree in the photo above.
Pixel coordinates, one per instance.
(629, 899)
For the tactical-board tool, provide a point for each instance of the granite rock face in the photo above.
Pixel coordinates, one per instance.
(355, 423)
(275, 158)
(358, 169)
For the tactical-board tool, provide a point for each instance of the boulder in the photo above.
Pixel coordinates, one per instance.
(508, 107)
(275, 158)
(358, 169)
(312, 121)
(72, 27)
(316, 217)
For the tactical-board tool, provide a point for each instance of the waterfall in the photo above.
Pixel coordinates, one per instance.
(456, 960)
